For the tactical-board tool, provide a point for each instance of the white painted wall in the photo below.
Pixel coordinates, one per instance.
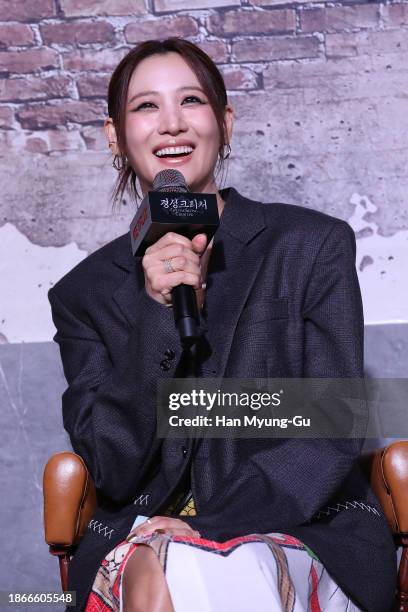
(382, 264)
(27, 271)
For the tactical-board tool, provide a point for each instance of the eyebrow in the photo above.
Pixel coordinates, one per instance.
(152, 92)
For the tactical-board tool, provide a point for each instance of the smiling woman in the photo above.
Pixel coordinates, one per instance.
(213, 524)
(175, 98)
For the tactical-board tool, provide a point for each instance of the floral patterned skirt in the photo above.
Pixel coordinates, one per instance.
(262, 572)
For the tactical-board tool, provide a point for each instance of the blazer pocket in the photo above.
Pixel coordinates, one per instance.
(256, 312)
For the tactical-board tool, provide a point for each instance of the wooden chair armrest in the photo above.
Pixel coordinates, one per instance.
(69, 500)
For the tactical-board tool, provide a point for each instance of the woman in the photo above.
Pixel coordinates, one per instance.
(278, 297)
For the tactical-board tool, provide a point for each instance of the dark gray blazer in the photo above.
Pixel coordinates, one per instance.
(282, 300)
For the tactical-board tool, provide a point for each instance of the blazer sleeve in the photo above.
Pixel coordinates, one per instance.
(333, 312)
(110, 411)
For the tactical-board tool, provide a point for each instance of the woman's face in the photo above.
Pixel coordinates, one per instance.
(174, 112)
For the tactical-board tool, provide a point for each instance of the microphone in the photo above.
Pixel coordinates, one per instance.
(172, 207)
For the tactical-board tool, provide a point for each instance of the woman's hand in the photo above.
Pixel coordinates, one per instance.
(164, 524)
(184, 257)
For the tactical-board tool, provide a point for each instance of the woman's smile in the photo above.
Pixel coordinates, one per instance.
(173, 153)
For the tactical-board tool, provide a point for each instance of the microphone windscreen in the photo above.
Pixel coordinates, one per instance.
(170, 180)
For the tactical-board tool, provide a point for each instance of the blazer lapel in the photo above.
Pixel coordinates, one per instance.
(126, 294)
(235, 261)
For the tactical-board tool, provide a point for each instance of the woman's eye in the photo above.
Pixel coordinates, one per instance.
(144, 105)
(193, 98)
(188, 100)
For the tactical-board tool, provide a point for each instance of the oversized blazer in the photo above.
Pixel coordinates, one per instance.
(282, 300)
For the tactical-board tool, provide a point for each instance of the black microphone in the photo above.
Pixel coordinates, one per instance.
(172, 207)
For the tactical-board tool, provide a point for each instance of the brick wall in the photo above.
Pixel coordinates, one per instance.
(319, 89)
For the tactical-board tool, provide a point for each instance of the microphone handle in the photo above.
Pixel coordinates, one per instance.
(185, 313)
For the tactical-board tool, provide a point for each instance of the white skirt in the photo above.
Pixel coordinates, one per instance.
(256, 572)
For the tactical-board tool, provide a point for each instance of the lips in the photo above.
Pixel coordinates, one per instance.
(176, 160)
(173, 153)
(179, 143)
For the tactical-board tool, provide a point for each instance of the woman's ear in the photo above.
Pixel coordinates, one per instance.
(229, 121)
(110, 134)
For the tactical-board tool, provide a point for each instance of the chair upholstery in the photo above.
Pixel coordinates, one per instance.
(70, 501)
(390, 483)
(69, 504)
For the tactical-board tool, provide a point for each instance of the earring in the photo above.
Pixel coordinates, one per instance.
(225, 155)
(119, 163)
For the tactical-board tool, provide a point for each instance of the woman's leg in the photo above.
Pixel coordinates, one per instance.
(144, 586)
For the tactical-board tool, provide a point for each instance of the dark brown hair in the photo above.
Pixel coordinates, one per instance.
(207, 74)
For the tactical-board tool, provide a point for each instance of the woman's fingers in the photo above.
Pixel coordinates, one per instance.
(178, 264)
(164, 284)
(180, 258)
(199, 243)
(173, 532)
(180, 532)
(169, 238)
(187, 261)
(173, 260)
(158, 522)
(170, 251)
(164, 524)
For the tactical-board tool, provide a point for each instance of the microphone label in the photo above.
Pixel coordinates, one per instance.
(186, 213)
(184, 206)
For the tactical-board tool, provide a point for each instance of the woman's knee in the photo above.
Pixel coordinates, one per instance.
(144, 586)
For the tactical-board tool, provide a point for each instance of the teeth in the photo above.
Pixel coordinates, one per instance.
(173, 150)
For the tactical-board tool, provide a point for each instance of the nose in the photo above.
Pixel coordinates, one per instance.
(172, 120)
